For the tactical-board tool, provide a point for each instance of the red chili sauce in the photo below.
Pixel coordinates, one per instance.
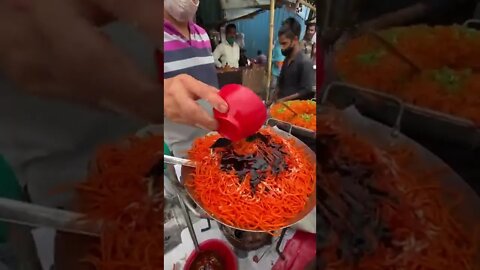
(207, 260)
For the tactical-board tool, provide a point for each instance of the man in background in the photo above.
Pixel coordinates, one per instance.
(228, 54)
(308, 42)
(297, 75)
(261, 58)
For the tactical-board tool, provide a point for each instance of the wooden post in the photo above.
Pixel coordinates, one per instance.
(270, 47)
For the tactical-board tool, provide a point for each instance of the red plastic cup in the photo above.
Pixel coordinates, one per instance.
(220, 248)
(246, 112)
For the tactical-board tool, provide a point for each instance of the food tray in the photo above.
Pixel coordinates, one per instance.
(404, 117)
(380, 135)
(473, 23)
(187, 173)
(307, 136)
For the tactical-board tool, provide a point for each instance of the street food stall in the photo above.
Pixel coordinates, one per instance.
(255, 76)
(121, 219)
(270, 242)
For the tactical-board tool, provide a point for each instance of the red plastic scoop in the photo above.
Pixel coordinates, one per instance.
(246, 113)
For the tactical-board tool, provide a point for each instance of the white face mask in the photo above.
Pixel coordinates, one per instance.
(182, 10)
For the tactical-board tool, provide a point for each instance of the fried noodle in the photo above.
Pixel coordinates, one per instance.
(268, 206)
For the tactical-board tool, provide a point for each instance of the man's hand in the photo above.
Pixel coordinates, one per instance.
(181, 92)
(55, 48)
(288, 98)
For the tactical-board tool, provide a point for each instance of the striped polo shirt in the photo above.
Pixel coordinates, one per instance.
(192, 56)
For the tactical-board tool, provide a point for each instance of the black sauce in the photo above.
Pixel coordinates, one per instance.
(348, 206)
(258, 165)
(207, 260)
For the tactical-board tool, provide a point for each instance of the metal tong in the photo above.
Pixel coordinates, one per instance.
(178, 161)
(28, 214)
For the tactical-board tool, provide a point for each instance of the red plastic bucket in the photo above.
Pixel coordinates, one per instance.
(219, 247)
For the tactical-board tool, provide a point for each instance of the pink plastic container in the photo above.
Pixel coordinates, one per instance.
(221, 248)
(246, 113)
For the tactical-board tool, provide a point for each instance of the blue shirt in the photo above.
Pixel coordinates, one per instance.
(277, 56)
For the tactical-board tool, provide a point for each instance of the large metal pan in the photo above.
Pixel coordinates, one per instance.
(381, 136)
(187, 175)
(291, 129)
(307, 136)
(404, 117)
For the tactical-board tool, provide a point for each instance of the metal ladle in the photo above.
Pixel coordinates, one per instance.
(290, 109)
(395, 51)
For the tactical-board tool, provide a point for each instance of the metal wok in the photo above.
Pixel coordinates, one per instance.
(401, 115)
(381, 136)
(404, 117)
(187, 175)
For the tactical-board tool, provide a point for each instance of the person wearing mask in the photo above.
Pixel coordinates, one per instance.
(57, 107)
(308, 42)
(228, 54)
(297, 75)
(188, 54)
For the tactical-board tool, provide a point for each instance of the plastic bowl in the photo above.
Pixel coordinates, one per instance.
(246, 113)
(219, 247)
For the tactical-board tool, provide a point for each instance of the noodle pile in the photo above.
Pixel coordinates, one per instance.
(119, 195)
(449, 58)
(231, 199)
(375, 211)
(305, 109)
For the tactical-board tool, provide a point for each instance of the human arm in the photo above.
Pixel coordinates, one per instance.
(395, 18)
(277, 55)
(217, 54)
(275, 93)
(56, 50)
(314, 48)
(83, 67)
(408, 14)
(238, 56)
(181, 92)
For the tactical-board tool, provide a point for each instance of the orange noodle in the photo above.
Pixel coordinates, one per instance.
(449, 59)
(376, 209)
(271, 188)
(305, 113)
(119, 194)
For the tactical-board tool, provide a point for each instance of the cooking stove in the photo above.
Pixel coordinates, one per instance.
(263, 257)
(244, 240)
